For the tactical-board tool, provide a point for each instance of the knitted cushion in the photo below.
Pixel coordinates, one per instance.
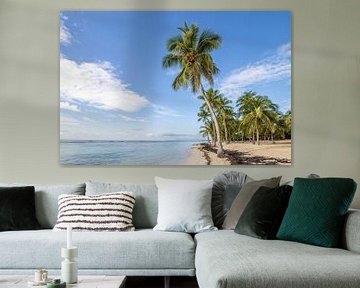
(105, 212)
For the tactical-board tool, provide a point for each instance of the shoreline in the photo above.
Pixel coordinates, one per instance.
(242, 153)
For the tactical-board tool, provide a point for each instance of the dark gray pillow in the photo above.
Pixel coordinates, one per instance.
(46, 200)
(263, 214)
(226, 187)
(243, 198)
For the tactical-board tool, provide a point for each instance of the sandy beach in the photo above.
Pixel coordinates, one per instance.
(239, 153)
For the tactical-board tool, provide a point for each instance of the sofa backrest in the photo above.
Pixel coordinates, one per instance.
(46, 200)
(146, 203)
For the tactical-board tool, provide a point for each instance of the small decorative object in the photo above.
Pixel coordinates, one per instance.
(56, 283)
(41, 275)
(41, 278)
(69, 265)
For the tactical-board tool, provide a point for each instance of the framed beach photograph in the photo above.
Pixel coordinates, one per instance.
(175, 88)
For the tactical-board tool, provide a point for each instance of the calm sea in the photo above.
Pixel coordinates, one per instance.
(124, 152)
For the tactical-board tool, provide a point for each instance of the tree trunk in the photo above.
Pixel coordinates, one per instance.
(226, 132)
(220, 150)
(257, 136)
(214, 133)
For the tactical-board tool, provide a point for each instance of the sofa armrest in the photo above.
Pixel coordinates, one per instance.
(351, 234)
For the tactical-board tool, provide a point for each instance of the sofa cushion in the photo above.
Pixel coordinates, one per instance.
(226, 187)
(225, 259)
(105, 212)
(46, 200)
(143, 249)
(317, 209)
(146, 205)
(17, 208)
(184, 205)
(243, 198)
(263, 215)
(350, 239)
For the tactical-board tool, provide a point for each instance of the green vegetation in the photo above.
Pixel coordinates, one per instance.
(192, 53)
(254, 117)
(257, 118)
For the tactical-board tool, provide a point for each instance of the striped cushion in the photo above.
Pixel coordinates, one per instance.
(105, 212)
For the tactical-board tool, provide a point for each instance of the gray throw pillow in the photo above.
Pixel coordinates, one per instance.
(242, 199)
(146, 204)
(184, 205)
(46, 200)
(226, 187)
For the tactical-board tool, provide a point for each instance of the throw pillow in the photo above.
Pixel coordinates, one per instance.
(17, 209)
(263, 215)
(317, 209)
(312, 176)
(46, 200)
(243, 198)
(146, 205)
(184, 205)
(226, 187)
(106, 212)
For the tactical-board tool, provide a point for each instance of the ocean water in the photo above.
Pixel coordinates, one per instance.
(109, 153)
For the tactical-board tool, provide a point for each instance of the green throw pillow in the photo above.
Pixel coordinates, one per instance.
(316, 211)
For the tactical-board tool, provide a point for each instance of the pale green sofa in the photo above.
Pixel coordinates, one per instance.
(220, 259)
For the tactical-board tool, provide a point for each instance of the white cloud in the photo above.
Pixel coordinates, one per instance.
(97, 85)
(69, 106)
(131, 119)
(65, 34)
(165, 111)
(272, 68)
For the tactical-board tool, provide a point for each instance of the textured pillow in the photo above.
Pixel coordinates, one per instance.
(106, 212)
(184, 205)
(17, 209)
(243, 198)
(46, 200)
(311, 176)
(226, 187)
(263, 215)
(146, 205)
(317, 209)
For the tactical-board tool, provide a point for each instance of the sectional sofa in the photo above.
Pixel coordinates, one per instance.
(219, 259)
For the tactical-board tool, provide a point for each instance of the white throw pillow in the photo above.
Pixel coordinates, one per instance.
(184, 205)
(104, 212)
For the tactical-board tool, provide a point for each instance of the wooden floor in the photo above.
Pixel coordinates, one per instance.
(158, 282)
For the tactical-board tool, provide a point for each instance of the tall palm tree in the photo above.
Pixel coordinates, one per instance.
(257, 111)
(204, 116)
(206, 131)
(226, 112)
(191, 52)
(287, 123)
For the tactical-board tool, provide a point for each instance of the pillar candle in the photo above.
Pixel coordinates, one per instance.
(69, 237)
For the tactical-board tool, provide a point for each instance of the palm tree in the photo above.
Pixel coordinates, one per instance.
(256, 111)
(287, 124)
(206, 131)
(191, 52)
(226, 112)
(204, 115)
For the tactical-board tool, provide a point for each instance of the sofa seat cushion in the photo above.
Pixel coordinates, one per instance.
(226, 259)
(142, 249)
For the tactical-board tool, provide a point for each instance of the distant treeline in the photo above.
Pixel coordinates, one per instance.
(253, 118)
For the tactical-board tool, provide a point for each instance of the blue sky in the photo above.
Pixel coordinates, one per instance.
(113, 86)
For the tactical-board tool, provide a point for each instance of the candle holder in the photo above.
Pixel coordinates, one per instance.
(69, 271)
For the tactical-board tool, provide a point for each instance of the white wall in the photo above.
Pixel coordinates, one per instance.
(326, 90)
